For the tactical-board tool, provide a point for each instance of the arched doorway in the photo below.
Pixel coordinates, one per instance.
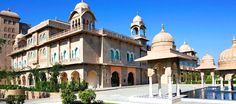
(130, 78)
(92, 79)
(115, 80)
(23, 80)
(30, 78)
(75, 76)
(18, 80)
(63, 77)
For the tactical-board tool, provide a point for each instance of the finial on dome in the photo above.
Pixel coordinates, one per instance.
(82, 1)
(234, 41)
(162, 28)
(137, 13)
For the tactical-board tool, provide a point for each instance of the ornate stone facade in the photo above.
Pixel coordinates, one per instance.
(101, 57)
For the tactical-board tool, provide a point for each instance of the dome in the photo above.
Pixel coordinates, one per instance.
(19, 36)
(207, 57)
(227, 58)
(185, 48)
(207, 62)
(137, 18)
(163, 41)
(163, 37)
(82, 5)
(9, 13)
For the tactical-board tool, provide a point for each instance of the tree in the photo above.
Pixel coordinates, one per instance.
(54, 72)
(87, 96)
(67, 95)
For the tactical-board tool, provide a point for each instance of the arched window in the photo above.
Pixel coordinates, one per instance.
(117, 55)
(132, 57)
(72, 54)
(112, 53)
(64, 54)
(76, 52)
(75, 23)
(128, 56)
(54, 56)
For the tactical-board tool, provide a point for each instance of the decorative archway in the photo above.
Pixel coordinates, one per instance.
(115, 80)
(75, 76)
(63, 77)
(130, 78)
(23, 80)
(92, 79)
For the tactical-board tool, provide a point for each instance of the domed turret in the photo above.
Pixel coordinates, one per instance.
(185, 48)
(207, 62)
(9, 13)
(163, 40)
(82, 18)
(227, 58)
(137, 18)
(82, 5)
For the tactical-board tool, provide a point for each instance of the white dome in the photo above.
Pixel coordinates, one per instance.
(228, 57)
(9, 13)
(137, 18)
(163, 37)
(19, 36)
(82, 5)
(185, 48)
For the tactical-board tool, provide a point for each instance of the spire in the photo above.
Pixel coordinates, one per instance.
(162, 28)
(185, 42)
(234, 41)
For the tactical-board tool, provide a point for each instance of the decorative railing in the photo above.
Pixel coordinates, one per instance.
(116, 35)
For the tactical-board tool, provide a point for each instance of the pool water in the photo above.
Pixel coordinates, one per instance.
(211, 93)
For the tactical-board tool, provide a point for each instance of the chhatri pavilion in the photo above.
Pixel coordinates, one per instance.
(164, 61)
(227, 65)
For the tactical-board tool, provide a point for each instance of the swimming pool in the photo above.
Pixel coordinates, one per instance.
(211, 93)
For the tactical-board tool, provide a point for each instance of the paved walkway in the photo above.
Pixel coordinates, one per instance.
(118, 95)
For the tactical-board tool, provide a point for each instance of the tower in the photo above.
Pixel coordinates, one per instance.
(82, 17)
(138, 30)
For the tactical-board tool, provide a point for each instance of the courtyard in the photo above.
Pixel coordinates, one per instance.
(122, 95)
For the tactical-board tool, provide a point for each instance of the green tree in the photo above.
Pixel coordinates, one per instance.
(67, 95)
(87, 96)
(54, 72)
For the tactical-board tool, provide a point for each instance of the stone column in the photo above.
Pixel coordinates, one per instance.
(150, 74)
(213, 77)
(229, 85)
(177, 85)
(202, 79)
(221, 83)
(159, 86)
(169, 87)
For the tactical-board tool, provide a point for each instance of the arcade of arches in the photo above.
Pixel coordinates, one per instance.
(113, 77)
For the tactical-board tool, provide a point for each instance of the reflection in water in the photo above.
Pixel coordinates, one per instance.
(211, 93)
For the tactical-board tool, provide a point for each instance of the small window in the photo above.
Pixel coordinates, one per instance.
(112, 55)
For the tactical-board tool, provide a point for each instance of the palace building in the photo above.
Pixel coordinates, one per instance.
(10, 26)
(99, 56)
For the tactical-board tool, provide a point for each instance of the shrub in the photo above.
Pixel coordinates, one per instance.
(87, 96)
(83, 85)
(67, 95)
(15, 99)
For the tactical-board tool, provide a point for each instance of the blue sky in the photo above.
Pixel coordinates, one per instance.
(207, 25)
